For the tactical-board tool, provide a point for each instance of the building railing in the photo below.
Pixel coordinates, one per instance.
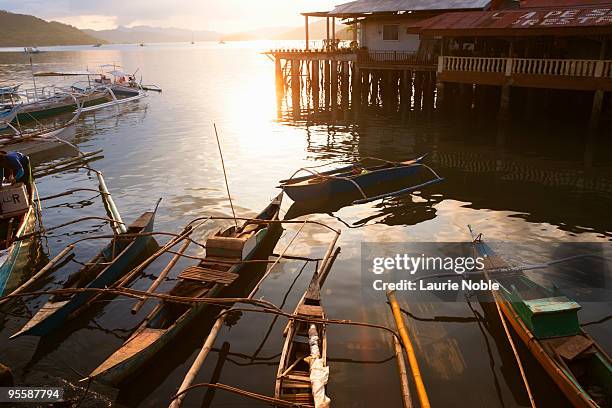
(529, 66)
(392, 57)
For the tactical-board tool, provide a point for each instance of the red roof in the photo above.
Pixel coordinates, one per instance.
(550, 21)
(563, 3)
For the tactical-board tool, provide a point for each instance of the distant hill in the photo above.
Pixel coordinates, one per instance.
(316, 31)
(20, 30)
(146, 34)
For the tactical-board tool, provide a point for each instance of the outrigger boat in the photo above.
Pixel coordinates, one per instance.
(100, 272)
(548, 326)
(35, 140)
(302, 371)
(48, 101)
(9, 89)
(7, 115)
(92, 94)
(123, 83)
(17, 219)
(225, 250)
(354, 180)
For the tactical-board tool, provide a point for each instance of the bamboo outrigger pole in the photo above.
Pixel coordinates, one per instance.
(403, 373)
(414, 364)
(214, 332)
(162, 275)
(52, 263)
(118, 226)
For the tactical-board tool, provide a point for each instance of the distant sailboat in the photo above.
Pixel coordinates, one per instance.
(192, 42)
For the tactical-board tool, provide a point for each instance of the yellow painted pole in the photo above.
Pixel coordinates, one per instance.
(414, 364)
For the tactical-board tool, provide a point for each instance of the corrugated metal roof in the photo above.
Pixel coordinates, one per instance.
(518, 22)
(563, 3)
(386, 6)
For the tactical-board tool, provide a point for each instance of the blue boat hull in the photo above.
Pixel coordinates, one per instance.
(108, 276)
(18, 256)
(327, 189)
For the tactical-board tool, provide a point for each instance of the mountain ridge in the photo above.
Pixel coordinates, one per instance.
(22, 30)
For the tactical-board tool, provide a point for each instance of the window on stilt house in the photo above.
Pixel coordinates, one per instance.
(391, 32)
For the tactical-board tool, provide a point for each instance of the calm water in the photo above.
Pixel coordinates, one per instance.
(528, 183)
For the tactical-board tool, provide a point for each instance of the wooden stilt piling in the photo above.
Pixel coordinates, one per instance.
(596, 110)
(295, 87)
(334, 86)
(326, 82)
(315, 85)
(504, 103)
(344, 85)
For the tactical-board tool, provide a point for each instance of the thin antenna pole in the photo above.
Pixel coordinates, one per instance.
(33, 78)
(225, 175)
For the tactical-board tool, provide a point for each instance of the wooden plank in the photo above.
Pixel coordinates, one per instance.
(573, 347)
(198, 273)
(310, 310)
(314, 290)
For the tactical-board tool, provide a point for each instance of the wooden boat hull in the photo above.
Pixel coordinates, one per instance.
(149, 342)
(17, 256)
(149, 339)
(53, 314)
(7, 116)
(545, 347)
(568, 385)
(36, 111)
(44, 141)
(325, 190)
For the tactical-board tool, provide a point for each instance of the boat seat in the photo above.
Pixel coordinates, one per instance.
(573, 347)
(198, 273)
(298, 398)
(310, 310)
(296, 384)
(295, 377)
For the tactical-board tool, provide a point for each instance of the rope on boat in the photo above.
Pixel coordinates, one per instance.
(477, 239)
(163, 274)
(516, 355)
(143, 265)
(270, 400)
(69, 192)
(331, 177)
(26, 236)
(40, 273)
(212, 336)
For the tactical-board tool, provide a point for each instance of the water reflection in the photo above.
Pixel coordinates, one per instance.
(521, 182)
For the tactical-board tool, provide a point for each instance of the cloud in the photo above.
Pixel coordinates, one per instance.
(221, 15)
(93, 21)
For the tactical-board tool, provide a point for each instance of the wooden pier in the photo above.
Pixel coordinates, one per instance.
(344, 81)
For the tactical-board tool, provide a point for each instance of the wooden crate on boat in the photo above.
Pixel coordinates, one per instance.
(13, 200)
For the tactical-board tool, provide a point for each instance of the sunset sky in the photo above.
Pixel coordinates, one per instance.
(217, 15)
